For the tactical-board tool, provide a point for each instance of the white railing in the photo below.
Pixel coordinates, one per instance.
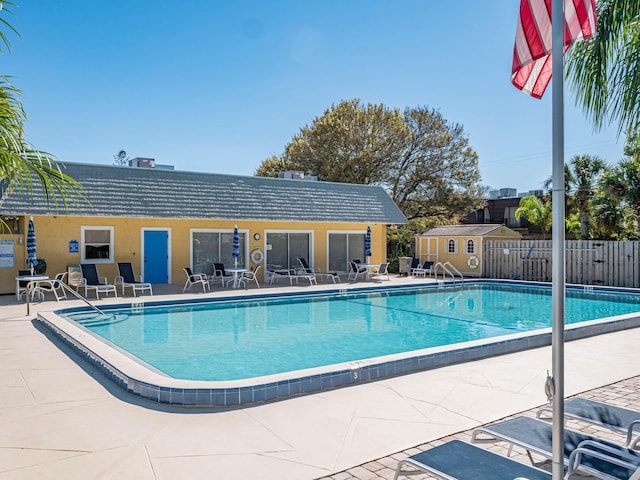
(447, 270)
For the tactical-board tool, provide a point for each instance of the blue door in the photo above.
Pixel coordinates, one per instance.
(156, 256)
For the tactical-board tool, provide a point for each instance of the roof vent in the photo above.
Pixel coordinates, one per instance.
(140, 162)
(297, 175)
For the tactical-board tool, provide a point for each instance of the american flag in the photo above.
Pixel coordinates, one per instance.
(531, 70)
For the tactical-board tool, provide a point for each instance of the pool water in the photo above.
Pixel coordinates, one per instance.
(229, 340)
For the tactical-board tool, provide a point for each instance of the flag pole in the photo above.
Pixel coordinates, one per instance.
(558, 229)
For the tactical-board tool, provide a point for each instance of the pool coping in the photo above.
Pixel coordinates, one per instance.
(136, 378)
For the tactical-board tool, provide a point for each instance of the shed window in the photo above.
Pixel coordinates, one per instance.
(97, 244)
(452, 246)
(471, 246)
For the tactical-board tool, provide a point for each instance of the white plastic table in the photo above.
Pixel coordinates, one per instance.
(30, 279)
(236, 274)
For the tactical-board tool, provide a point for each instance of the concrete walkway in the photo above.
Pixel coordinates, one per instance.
(60, 419)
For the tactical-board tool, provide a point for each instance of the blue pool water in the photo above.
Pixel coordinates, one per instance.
(228, 340)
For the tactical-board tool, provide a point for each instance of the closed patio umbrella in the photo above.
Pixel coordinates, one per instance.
(32, 260)
(236, 245)
(367, 243)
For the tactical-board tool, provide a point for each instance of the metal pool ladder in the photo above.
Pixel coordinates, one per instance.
(447, 270)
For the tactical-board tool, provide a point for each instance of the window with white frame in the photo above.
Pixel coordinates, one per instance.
(344, 248)
(452, 246)
(471, 246)
(97, 245)
(284, 249)
(215, 246)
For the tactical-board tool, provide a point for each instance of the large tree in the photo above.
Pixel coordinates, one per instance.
(424, 162)
(20, 162)
(605, 71)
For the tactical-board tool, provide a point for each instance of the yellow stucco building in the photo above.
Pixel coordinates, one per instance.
(163, 220)
(460, 245)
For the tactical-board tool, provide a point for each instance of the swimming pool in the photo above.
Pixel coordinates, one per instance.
(240, 351)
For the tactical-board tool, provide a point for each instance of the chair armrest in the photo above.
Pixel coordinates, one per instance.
(632, 426)
(118, 280)
(613, 455)
(102, 280)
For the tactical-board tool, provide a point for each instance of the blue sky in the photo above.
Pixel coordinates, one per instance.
(214, 86)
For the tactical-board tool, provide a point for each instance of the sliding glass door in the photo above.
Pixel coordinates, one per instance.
(344, 247)
(284, 248)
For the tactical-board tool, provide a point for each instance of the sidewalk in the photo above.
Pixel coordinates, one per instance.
(59, 418)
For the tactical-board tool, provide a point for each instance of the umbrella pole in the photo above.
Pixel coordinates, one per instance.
(558, 230)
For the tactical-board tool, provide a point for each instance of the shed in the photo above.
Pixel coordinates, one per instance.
(460, 245)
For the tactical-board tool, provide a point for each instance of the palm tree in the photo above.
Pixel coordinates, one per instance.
(536, 212)
(581, 179)
(20, 162)
(604, 71)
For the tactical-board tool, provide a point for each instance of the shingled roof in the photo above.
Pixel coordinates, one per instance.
(114, 191)
(475, 230)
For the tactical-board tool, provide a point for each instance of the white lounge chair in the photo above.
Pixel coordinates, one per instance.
(618, 419)
(423, 270)
(92, 281)
(583, 452)
(128, 279)
(380, 272)
(460, 460)
(307, 269)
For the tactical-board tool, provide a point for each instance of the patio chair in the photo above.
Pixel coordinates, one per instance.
(195, 279)
(422, 271)
(356, 270)
(307, 269)
(276, 274)
(128, 279)
(618, 419)
(54, 286)
(383, 270)
(596, 457)
(462, 461)
(91, 281)
(22, 284)
(247, 277)
(219, 272)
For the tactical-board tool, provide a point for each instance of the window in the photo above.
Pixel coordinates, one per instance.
(97, 244)
(452, 246)
(284, 248)
(215, 246)
(471, 246)
(343, 248)
(510, 217)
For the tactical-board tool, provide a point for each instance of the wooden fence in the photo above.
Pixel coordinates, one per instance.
(588, 262)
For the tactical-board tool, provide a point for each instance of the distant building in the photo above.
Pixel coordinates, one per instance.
(501, 207)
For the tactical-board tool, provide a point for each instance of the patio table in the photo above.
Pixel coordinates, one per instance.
(32, 285)
(236, 275)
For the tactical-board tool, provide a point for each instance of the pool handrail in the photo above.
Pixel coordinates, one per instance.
(33, 285)
(453, 269)
(447, 269)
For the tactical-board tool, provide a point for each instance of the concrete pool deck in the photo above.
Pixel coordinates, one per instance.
(62, 419)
